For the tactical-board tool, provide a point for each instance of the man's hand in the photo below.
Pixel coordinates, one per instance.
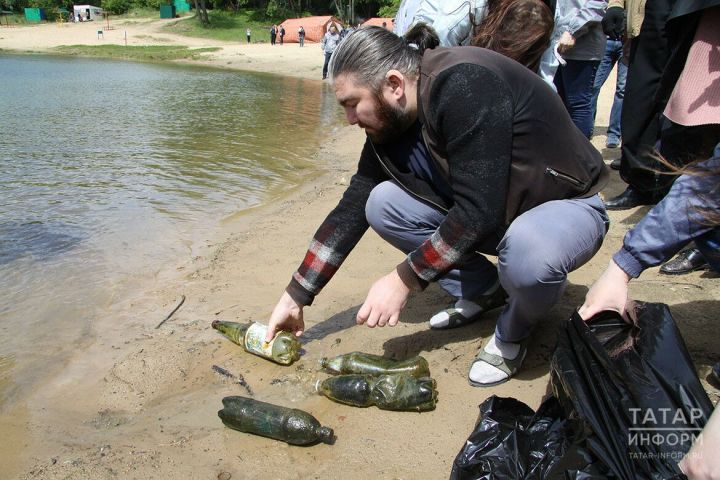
(287, 315)
(613, 23)
(385, 300)
(610, 292)
(566, 42)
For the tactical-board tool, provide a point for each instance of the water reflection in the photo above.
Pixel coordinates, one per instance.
(110, 170)
(37, 239)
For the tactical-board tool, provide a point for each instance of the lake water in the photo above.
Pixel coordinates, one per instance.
(109, 169)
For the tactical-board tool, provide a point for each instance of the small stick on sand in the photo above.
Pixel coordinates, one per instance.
(238, 378)
(182, 300)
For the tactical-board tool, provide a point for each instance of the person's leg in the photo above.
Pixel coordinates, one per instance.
(606, 65)
(709, 246)
(578, 77)
(405, 222)
(640, 117)
(536, 254)
(325, 65)
(613, 132)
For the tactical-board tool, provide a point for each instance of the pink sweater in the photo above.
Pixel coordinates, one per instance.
(695, 100)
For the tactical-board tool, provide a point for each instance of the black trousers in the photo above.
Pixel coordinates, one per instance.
(657, 57)
(641, 117)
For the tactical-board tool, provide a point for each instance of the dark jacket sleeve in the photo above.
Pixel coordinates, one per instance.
(476, 125)
(341, 230)
(675, 221)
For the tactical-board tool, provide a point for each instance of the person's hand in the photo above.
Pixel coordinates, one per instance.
(386, 298)
(610, 292)
(566, 42)
(613, 23)
(702, 461)
(287, 315)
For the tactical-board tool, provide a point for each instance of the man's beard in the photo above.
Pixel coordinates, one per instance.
(392, 121)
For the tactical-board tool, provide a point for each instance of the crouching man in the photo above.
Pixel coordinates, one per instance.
(468, 154)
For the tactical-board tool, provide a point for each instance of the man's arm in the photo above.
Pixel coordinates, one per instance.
(333, 241)
(472, 109)
(666, 228)
(586, 12)
(613, 21)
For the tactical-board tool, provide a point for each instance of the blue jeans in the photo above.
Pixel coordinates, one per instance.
(535, 254)
(613, 55)
(709, 246)
(574, 82)
(327, 62)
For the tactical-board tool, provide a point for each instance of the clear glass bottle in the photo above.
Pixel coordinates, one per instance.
(400, 392)
(367, 363)
(283, 349)
(289, 425)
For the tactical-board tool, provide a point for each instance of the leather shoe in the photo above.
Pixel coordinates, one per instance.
(615, 164)
(715, 374)
(630, 198)
(687, 261)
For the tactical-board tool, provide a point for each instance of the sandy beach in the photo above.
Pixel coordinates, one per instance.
(136, 402)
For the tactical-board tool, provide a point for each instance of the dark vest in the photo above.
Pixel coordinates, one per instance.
(551, 159)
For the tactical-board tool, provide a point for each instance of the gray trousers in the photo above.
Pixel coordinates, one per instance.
(535, 254)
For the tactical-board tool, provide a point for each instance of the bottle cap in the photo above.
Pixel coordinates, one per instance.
(326, 435)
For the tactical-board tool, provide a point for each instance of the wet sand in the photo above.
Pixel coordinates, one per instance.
(139, 402)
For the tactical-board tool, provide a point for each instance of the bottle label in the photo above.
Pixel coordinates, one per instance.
(255, 340)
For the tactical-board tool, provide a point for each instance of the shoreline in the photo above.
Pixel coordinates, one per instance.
(287, 60)
(140, 402)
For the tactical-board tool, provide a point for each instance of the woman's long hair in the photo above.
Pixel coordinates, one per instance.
(519, 29)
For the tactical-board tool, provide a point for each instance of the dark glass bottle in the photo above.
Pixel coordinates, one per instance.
(367, 363)
(283, 349)
(388, 392)
(273, 421)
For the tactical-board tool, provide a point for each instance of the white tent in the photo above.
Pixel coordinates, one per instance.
(95, 13)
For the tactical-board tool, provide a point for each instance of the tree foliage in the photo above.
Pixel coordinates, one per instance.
(265, 10)
(389, 8)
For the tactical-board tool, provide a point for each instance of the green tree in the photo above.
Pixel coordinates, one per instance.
(117, 7)
(389, 8)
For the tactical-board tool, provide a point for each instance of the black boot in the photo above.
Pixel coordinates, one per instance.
(615, 164)
(630, 198)
(687, 261)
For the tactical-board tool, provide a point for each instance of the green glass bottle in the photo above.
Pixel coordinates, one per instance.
(400, 392)
(283, 349)
(273, 421)
(367, 363)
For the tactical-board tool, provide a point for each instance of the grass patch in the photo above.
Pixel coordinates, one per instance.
(225, 26)
(14, 19)
(147, 53)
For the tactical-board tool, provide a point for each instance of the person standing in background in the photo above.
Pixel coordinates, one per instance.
(282, 34)
(613, 55)
(248, 32)
(329, 41)
(572, 60)
(658, 53)
(273, 34)
(301, 36)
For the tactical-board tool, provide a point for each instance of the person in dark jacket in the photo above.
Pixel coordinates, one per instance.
(468, 153)
(657, 58)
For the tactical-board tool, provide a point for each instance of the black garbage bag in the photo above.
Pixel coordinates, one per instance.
(635, 387)
(513, 441)
(627, 404)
